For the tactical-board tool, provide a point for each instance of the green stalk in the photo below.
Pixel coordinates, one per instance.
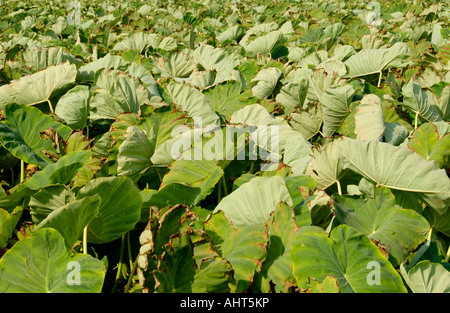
(130, 278)
(422, 249)
(85, 240)
(159, 175)
(379, 79)
(339, 187)
(429, 234)
(22, 171)
(416, 120)
(130, 255)
(50, 106)
(119, 268)
(225, 191)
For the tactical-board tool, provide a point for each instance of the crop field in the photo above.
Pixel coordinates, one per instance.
(235, 146)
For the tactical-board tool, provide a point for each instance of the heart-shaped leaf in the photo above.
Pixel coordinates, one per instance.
(20, 133)
(244, 248)
(39, 87)
(117, 214)
(41, 264)
(397, 168)
(73, 107)
(347, 255)
(253, 202)
(427, 277)
(71, 219)
(399, 230)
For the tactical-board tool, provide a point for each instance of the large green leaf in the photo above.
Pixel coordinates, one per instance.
(397, 168)
(135, 152)
(73, 107)
(116, 93)
(416, 100)
(277, 267)
(138, 41)
(266, 79)
(264, 44)
(308, 123)
(20, 133)
(209, 57)
(234, 33)
(39, 58)
(39, 87)
(336, 106)
(267, 131)
(369, 120)
(178, 271)
(178, 65)
(119, 211)
(371, 61)
(48, 199)
(443, 105)
(8, 222)
(244, 248)
(325, 166)
(203, 174)
(146, 78)
(347, 255)
(226, 98)
(399, 230)
(193, 102)
(297, 154)
(427, 277)
(319, 81)
(293, 95)
(61, 172)
(170, 261)
(87, 72)
(41, 264)
(427, 143)
(253, 202)
(71, 219)
(438, 221)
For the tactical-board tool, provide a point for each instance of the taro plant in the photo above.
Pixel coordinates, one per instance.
(223, 146)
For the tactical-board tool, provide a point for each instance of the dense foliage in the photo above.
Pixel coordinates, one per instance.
(95, 95)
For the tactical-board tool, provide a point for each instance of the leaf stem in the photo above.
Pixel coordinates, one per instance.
(447, 256)
(22, 171)
(379, 79)
(416, 120)
(159, 176)
(119, 267)
(50, 106)
(130, 278)
(225, 191)
(130, 255)
(339, 187)
(85, 240)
